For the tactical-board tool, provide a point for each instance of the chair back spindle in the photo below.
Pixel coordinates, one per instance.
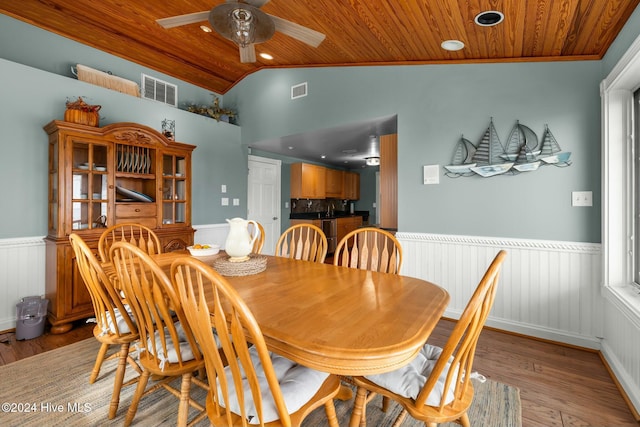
(304, 242)
(136, 234)
(371, 249)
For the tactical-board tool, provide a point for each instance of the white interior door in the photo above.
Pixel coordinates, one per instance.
(263, 199)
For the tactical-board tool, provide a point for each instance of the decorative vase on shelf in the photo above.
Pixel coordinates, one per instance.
(82, 113)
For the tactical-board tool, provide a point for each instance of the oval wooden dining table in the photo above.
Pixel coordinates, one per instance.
(334, 319)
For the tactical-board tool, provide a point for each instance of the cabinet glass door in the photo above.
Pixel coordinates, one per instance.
(89, 186)
(174, 189)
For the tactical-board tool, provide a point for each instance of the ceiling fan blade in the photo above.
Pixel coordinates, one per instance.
(297, 31)
(248, 54)
(189, 18)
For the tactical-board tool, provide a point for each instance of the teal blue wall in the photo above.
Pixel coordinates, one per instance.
(437, 103)
(50, 52)
(629, 33)
(434, 104)
(368, 192)
(31, 98)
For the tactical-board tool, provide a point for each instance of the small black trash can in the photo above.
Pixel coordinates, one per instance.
(30, 317)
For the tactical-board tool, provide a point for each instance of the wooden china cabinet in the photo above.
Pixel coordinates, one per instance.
(98, 177)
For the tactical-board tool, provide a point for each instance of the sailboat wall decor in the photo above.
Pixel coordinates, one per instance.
(551, 153)
(521, 154)
(462, 164)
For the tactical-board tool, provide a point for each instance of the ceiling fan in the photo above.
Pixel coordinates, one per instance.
(246, 25)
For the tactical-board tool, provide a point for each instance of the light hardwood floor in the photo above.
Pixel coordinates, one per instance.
(559, 385)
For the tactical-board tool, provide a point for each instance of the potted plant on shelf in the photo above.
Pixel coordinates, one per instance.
(214, 111)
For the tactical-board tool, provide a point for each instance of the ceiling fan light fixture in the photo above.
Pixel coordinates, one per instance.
(489, 18)
(372, 161)
(452, 45)
(243, 30)
(241, 23)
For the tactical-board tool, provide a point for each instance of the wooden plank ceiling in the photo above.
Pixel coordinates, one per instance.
(358, 32)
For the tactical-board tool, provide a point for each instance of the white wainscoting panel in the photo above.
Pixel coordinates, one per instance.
(547, 289)
(621, 347)
(211, 233)
(22, 272)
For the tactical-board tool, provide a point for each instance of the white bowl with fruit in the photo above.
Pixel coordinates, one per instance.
(203, 249)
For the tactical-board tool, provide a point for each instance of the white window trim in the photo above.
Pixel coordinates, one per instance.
(618, 191)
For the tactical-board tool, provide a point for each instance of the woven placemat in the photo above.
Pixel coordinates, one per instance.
(254, 265)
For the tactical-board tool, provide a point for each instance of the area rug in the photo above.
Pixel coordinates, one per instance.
(52, 389)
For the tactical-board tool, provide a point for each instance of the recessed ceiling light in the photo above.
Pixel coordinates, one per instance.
(323, 157)
(452, 45)
(205, 28)
(266, 56)
(489, 18)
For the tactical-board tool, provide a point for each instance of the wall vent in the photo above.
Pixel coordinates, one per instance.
(299, 91)
(158, 90)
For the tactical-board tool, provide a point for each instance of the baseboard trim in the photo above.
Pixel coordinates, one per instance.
(534, 331)
(628, 388)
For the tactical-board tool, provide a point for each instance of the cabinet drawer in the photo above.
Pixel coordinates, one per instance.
(135, 210)
(140, 213)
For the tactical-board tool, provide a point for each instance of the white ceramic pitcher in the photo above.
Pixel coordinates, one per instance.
(239, 242)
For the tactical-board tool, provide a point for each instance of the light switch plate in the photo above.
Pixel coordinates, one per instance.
(223, 188)
(581, 198)
(225, 201)
(236, 202)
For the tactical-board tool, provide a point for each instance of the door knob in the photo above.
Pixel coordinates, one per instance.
(274, 218)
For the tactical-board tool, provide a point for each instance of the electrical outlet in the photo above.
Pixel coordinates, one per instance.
(581, 198)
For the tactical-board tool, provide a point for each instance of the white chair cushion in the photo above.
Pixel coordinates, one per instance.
(123, 327)
(298, 384)
(172, 355)
(409, 380)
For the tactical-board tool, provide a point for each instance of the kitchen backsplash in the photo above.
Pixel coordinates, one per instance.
(318, 205)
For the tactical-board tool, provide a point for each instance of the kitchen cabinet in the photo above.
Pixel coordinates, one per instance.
(308, 181)
(318, 182)
(351, 186)
(334, 184)
(98, 177)
(347, 224)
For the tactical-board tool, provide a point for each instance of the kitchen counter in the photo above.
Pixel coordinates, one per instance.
(323, 215)
(318, 215)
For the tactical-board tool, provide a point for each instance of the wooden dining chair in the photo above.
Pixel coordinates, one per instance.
(114, 322)
(136, 234)
(304, 242)
(371, 249)
(259, 242)
(436, 386)
(249, 384)
(167, 349)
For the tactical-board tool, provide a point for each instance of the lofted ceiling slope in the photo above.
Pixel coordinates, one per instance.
(358, 32)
